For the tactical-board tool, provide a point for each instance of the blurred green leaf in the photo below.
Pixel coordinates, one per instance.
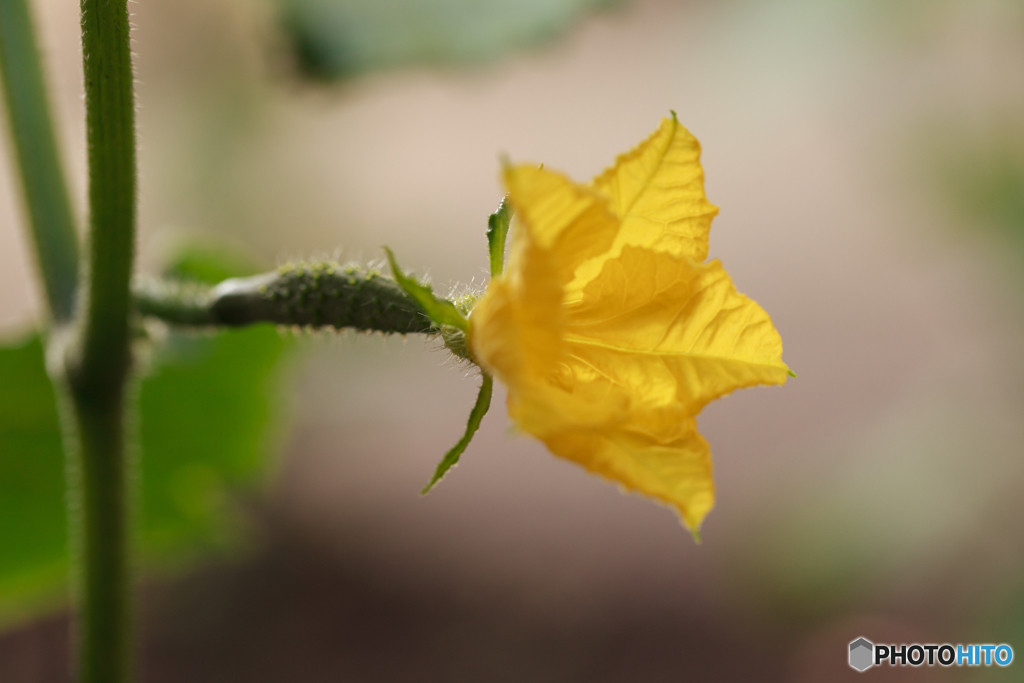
(982, 176)
(207, 422)
(33, 533)
(209, 264)
(335, 39)
(1000, 619)
(208, 407)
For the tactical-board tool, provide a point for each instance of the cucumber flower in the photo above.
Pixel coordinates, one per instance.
(610, 331)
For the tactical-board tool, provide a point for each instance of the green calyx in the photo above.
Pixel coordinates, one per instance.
(476, 416)
(449, 316)
(497, 230)
(439, 311)
(456, 339)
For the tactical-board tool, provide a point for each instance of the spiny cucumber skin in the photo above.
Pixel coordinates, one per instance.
(319, 295)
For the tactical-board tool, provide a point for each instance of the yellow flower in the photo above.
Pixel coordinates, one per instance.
(608, 329)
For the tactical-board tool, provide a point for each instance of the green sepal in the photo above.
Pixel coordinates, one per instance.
(476, 416)
(440, 311)
(497, 229)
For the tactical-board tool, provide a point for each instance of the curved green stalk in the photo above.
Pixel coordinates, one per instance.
(46, 196)
(98, 361)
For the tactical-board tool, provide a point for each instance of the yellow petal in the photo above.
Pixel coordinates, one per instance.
(648, 449)
(516, 328)
(496, 332)
(670, 331)
(547, 407)
(677, 472)
(610, 333)
(657, 192)
(556, 215)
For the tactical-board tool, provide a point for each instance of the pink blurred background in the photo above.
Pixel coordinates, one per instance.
(878, 494)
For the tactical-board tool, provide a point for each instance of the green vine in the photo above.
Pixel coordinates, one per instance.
(98, 357)
(42, 178)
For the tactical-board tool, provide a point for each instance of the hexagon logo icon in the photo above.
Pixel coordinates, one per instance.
(862, 654)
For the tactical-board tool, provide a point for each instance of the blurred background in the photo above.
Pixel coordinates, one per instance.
(868, 159)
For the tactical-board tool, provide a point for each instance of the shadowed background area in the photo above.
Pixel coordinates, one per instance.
(869, 164)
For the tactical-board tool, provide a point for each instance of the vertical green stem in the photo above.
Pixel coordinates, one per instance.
(99, 359)
(99, 363)
(102, 558)
(46, 197)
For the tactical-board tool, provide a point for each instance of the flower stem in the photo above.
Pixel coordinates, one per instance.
(98, 361)
(45, 190)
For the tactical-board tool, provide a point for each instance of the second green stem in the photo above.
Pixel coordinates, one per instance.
(99, 358)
